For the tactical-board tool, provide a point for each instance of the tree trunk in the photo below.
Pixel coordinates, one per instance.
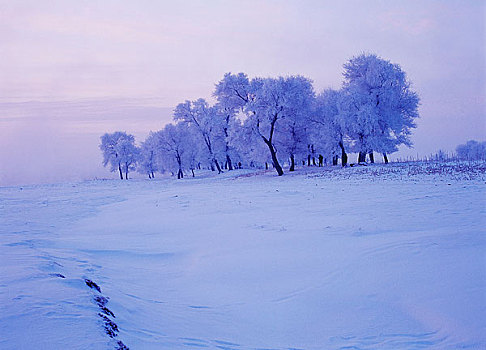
(385, 158)
(153, 176)
(119, 169)
(192, 170)
(274, 158)
(314, 161)
(126, 172)
(217, 166)
(266, 166)
(344, 156)
(292, 163)
(372, 157)
(334, 160)
(361, 157)
(321, 159)
(180, 174)
(230, 164)
(269, 143)
(308, 159)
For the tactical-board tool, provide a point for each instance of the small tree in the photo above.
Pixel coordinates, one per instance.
(329, 130)
(119, 151)
(148, 163)
(176, 148)
(129, 154)
(247, 144)
(208, 122)
(292, 136)
(232, 93)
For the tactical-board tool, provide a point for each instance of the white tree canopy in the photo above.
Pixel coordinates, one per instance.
(379, 107)
(148, 156)
(209, 122)
(274, 120)
(176, 149)
(120, 152)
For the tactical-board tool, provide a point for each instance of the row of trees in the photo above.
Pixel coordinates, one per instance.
(271, 121)
(472, 150)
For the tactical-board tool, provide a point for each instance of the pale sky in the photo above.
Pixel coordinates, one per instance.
(89, 61)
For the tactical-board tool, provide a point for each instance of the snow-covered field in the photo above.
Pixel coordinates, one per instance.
(359, 258)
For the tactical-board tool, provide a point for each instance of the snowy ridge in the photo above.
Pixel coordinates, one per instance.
(370, 257)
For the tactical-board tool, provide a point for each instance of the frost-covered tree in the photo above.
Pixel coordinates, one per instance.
(272, 120)
(119, 151)
(232, 93)
(379, 106)
(129, 154)
(328, 134)
(227, 118)
(251, 151)
(208, 121)
(274, 108)
(176, 148)
(292, 139)
(472, 150)
(148, 156)
(292, 134)
(109, 150)
(279, 108)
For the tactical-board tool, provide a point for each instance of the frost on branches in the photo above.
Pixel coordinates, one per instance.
(277, 110)
(148, 156)
(120, 152)
(280, 121)
(378, 106)
(208, 121)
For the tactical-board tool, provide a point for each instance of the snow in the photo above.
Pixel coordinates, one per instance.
(357, 258)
